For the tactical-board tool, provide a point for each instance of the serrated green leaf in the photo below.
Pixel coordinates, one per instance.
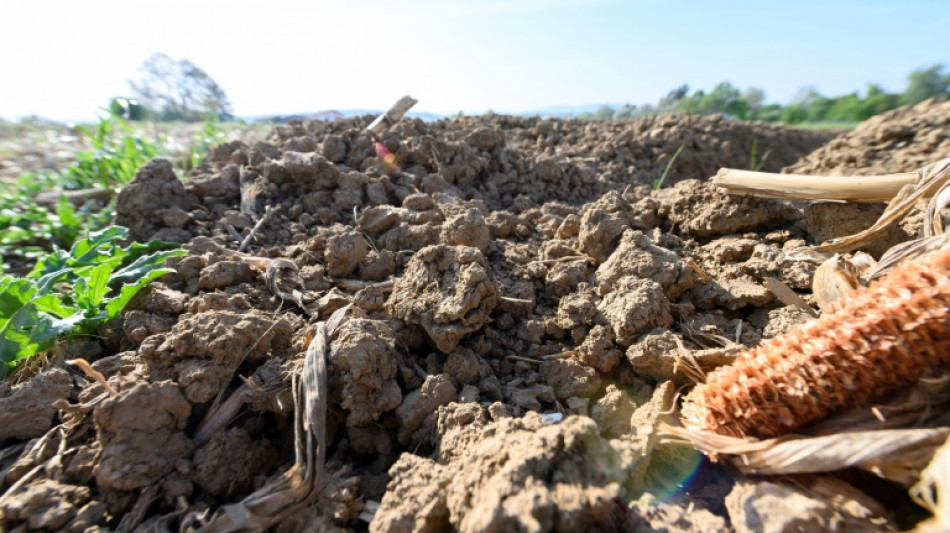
(117, 304)
(37, 332)
(14, 294)
(66, 212)
(144, 265)
(95, 286)
(56, 260)
(86, 251)
(52, 304)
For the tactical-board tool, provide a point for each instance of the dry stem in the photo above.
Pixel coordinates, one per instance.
(800, 187)
(395, 113)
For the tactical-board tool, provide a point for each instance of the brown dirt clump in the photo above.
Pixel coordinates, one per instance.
(26, 411)
(518, 298)
(448, 291)
(491, 476)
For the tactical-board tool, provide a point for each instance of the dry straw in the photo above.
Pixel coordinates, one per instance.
(287, 493)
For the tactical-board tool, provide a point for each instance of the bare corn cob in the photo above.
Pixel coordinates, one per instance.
(866, 345)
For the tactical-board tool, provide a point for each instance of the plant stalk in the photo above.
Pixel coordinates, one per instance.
(868, 189)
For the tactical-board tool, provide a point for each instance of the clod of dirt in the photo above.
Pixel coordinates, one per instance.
(448, 290)
(577, 309)
(513, 474)
(702, 210)
(466, 367)
(783, 319)
(654, 465)
(363, 366)
(571, 379)
(466, 228)
(604, 221)
(203, 350)
(154, 204)
(662, 517)
(227, 464)
(140, 432)
(344, 252)
(613, 411)
(637, 256)
(44, 504)
(420, 505)
(223, 186)
(598, 350)
(564, 277)
(634, 306)
(657, 355)
(830, 220)
(418, 411)
(766, 506)
(26, 411)
(224, 274)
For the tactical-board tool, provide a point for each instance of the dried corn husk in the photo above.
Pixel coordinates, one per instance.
(883, 337)
(895, 454)
(834, 279)
(807, 187)
(933, 492)
(296, 488)
(932, 181)
(902, 191)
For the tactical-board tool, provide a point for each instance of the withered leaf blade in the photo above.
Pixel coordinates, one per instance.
(834, 279)
(933, 492)
(787, 296)
(895, 454)
(296, 488)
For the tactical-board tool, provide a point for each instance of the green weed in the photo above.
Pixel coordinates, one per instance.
(72, 292)
(659, 182)
(755, 163)
(202, 142)
(114, 159)
(28, 230)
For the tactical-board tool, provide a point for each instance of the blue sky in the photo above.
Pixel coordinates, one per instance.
(63, 60)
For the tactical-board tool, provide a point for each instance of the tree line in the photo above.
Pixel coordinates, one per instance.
(808, 106)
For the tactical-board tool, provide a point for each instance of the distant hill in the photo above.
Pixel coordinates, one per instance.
(561, 111)
(565, 111)
(333, 114)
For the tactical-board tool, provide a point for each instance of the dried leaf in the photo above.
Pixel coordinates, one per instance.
(933, 491)
(296, 488)
(895, 454)
(906, 251)
(834, 279)
(787, 296)
(930, 179)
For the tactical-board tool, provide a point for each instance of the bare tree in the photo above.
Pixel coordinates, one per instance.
(179, 90)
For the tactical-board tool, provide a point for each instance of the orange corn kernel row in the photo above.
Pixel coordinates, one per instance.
(877, 340)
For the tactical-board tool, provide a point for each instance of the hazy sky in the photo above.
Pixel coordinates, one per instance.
(63, 60)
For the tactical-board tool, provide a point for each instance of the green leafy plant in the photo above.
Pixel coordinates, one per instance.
(659, 182)
(755, 163)
(114, 159)
(202, 141)
(72, 292)
(28, 229)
